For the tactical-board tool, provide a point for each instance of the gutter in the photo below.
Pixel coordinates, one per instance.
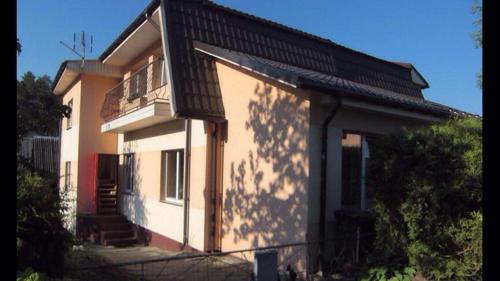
(187, 170)
(324, 154)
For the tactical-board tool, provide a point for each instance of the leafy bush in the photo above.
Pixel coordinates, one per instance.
(42, 241)
(428, 192)
(382, 273)
(30, 275)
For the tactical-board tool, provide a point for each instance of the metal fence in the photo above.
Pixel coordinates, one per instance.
(344, 253)
(228, 266)
(42, 152)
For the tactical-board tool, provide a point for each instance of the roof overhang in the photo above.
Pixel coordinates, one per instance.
(140, 38)
(390, 111)
(71, 69)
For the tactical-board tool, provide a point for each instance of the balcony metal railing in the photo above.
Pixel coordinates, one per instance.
(145, 86)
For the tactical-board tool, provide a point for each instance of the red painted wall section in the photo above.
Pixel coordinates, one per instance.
(93, 183)
(87, 192)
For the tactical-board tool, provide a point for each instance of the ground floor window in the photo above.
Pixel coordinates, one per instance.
(172, 175)
(67, 175)
(128, 165)
(355, 160)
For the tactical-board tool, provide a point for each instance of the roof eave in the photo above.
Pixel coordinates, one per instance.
(150, 8)
(58, 75)
(328, 89)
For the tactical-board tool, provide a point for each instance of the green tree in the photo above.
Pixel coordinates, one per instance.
(477, 36)
(428, 193)
(18, 48)
(42, 240)
(38, 110)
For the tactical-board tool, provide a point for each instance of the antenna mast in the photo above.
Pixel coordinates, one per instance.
(82, 46)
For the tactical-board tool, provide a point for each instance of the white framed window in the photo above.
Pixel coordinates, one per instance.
(172, 174)
(129, 173)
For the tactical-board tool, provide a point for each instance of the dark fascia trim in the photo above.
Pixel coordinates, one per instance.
(235, 59)
(130, 28)
(301, 82)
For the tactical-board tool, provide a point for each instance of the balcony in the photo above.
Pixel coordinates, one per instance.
(140, 101)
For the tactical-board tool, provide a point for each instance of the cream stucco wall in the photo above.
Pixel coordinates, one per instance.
(265, 162)
(70, 137)
(197, 199)
(143, 206)
(84, 139)
(69, 152)
(91, 140)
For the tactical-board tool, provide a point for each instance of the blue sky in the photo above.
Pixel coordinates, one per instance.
(433, 35)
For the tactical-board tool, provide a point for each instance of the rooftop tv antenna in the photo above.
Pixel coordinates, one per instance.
(82, 47)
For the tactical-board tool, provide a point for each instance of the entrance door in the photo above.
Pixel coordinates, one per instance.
(106, 183)
(214, 168)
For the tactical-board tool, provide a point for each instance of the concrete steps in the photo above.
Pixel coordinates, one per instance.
(116, 230)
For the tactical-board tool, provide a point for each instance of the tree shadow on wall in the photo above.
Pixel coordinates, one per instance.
(270, 209)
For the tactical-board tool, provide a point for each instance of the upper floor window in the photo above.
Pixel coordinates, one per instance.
(69, 120)
(172, 175)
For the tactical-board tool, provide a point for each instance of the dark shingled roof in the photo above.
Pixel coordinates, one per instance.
(300, 77)
(195, 80)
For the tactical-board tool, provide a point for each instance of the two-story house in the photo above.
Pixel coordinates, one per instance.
(216, 130)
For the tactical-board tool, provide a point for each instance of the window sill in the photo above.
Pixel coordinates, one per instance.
(173, 202)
